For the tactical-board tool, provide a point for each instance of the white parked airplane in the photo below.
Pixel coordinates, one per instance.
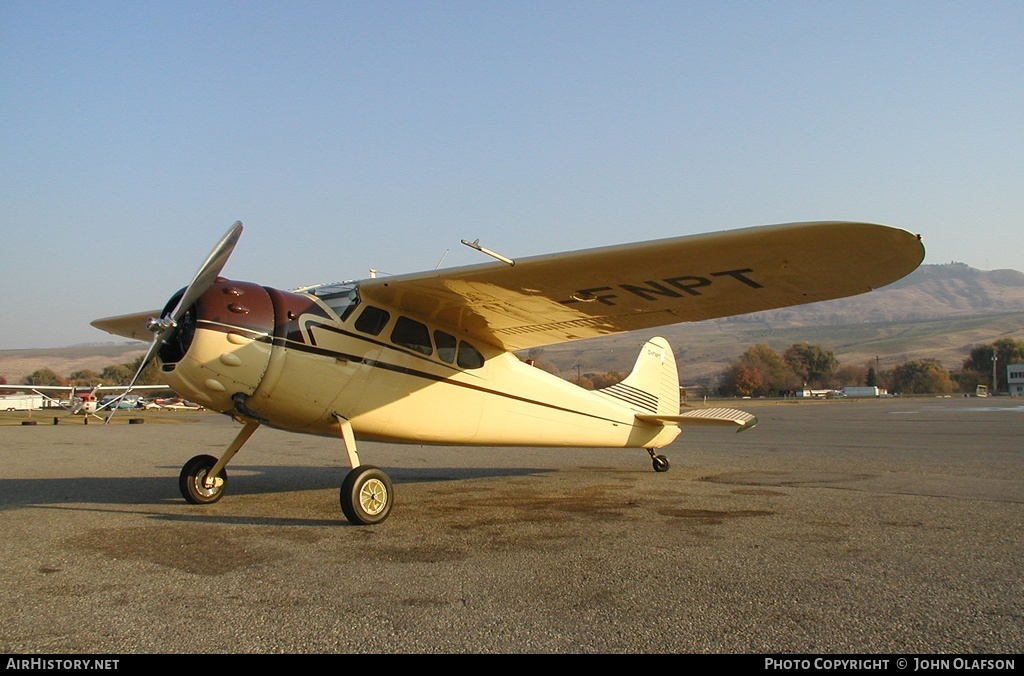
(81, 400)
(428, 357)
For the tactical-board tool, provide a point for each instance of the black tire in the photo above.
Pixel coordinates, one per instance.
(366, 496)
(660, 463)
(191, 478)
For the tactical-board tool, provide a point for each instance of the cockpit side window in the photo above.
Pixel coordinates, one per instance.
(372, 320)
(412, 334)
(445, 343)
(342, 297)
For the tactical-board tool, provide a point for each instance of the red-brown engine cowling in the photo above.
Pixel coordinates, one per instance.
(222, 344)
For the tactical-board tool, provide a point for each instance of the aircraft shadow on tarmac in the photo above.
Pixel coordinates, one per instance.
(242, 480)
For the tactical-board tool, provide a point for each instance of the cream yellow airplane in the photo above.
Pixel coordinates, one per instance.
(429, 357)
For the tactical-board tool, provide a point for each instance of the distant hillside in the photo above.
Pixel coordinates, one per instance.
(930, 292)
(16, 364)
(938, 311)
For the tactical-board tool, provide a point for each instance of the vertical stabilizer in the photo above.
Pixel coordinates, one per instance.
(652, 387)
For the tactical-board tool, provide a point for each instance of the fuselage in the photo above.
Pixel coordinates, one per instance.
(298, 361)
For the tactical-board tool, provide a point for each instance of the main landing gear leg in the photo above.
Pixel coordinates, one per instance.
(660, 462)
(203, 478)
(366, 493)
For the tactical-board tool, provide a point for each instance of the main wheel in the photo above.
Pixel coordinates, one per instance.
(192, 481)
(366, 496)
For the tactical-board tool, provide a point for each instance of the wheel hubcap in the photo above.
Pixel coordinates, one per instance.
(207, 488)
(373, 497)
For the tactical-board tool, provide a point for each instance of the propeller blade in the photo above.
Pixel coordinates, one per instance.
(132, 326)
(200, 283)
(209, 270)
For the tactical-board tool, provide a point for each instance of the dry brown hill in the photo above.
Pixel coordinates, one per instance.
(930, 292)
(16, 364)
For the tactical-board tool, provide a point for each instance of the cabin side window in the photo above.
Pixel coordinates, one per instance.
(446, 344)
(469, 356)
(412, 334)
(372, 320)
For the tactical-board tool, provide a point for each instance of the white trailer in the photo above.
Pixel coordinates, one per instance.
(863, 392)
(21, 402)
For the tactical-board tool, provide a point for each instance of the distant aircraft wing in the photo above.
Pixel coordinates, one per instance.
(133, 388)
(543, 300)
(34, 388)
(67, 389)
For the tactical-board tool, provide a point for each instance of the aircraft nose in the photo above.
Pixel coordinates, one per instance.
(222, 345)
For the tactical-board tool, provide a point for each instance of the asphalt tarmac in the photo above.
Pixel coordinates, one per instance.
(857, 526)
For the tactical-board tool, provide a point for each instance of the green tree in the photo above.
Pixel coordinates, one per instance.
(85, 377)
(43, 377)
(921, 376)
(871, 380)
(151, 375)
(1006, 350)
(968, 381)
(116, 374)
(813, 364)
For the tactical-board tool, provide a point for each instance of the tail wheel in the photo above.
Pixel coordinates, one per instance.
(660, 463)
(193, 483)
(366, 496)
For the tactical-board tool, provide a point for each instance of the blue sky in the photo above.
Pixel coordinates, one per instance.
(356, 135)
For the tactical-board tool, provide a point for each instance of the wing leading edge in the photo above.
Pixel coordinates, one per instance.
(543, 300)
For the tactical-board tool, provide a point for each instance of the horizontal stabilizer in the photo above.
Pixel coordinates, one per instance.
(705, 416)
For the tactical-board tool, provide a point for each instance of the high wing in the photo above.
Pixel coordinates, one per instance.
(543, 300)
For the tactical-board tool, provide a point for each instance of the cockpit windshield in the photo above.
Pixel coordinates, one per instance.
(342, 297)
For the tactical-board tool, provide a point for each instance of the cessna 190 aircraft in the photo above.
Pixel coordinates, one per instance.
(428, 357)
